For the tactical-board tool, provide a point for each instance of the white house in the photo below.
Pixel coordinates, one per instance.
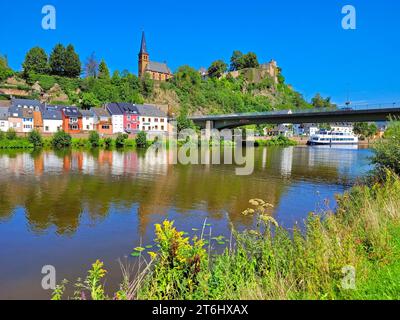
(343, 127)
(307, 129)
(117, 117)
(285, 130)
(87, 120)
(52, 120)
(4, 124)
(27, 120)
(152, 119)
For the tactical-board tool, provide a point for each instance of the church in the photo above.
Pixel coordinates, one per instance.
(156, 70)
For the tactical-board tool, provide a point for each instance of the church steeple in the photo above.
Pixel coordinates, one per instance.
(143, 57)
(143, 46)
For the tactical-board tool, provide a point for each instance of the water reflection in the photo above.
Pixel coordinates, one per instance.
(56, 188)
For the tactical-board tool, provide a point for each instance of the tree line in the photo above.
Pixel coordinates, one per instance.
(238, 61)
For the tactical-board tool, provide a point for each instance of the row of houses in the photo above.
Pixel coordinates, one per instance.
(26, 115)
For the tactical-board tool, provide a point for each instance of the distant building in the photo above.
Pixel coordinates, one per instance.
(22, 113)
(285, 129)
(103, 122)
(131, 117)
(152, 119)
(52, 120)
(71, 117)
(117, 117)
(4, 115)
(343, 127)
(87, 120)
(156, 70)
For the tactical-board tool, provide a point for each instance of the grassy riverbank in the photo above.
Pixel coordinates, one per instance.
(270, 262)
(352, 253)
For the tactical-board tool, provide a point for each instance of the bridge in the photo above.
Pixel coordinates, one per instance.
(353, 114)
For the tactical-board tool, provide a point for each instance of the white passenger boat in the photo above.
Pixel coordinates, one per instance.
(332, 138)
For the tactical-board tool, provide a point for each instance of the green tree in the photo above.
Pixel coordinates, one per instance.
(146, 86)
(35, 138)
(89, 100)
(250, 60)
(61, 139)
(186, 77)
(387, 151)
(236, 60)
(5, 71)
(36, 61)
(72, 63)
(242, 61)
(120, 140)
(104, 72)
(57, 60)
(183, 122)
(141, 140)
(319, 102)
(94, 139)
(365, 129)
(116, 78)
(217, 69)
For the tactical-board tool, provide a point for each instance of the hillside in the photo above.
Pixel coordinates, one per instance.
(252, 90)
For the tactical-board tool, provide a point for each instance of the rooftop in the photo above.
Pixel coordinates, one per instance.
(150, 111)
(158, 67)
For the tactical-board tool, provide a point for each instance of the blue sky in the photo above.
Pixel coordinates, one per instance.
(305, 37)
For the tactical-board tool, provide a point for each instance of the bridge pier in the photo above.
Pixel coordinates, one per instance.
(209, 128)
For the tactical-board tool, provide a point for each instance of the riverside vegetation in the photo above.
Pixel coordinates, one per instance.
(270, 262)
(61, 139)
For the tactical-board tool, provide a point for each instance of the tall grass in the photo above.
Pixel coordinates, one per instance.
(270, 262)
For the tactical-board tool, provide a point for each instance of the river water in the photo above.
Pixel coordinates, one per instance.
(67, 209)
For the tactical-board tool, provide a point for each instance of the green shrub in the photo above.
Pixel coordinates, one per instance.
(2, 135)
(94, 139)
(108, 142)
(11, 134)
(387, 151)
(61, 140)
(141, 140)
(120, 141)
(35, 138)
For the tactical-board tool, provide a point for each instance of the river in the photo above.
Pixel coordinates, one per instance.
(67, 209)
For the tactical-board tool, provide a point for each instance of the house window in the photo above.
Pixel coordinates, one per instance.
(149, 120)
(162, 120)
(87, 127)
(143, 128)
(46, 128)
(129, 125)
(155, 119)
(162, 128)
(129, 118)
(156, 127)
(105, 127)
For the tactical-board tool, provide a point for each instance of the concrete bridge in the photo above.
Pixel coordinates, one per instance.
(360, 114)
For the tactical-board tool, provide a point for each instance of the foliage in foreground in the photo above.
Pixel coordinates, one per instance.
(268, 262)
(387, 151)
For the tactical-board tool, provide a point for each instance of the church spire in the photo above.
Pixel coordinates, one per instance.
(143, 46)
